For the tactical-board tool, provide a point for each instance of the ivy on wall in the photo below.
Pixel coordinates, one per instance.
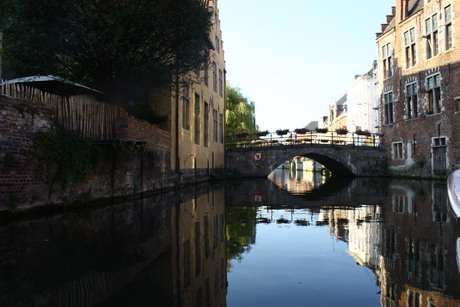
(67, 156)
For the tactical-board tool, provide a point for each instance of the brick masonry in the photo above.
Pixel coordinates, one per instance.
(23, 180)
(418, 134)
(20, 175)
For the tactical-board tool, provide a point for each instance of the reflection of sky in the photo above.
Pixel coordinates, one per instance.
(299, 266)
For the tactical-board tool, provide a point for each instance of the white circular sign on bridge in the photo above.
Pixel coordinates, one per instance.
(257, 156)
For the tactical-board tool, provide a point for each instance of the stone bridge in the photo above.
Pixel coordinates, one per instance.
(341, 160)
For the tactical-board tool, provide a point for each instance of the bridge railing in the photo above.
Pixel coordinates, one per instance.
(312, 137)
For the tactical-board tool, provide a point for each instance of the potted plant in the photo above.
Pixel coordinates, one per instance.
(282, 131)
(301, 130)
(242, 134)
(262, 133)
(341, 131)
(363, 132)
(321, 130)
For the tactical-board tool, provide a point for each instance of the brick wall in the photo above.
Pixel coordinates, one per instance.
(20, 178)
(418, 133)
(23, 180)
(129, 128)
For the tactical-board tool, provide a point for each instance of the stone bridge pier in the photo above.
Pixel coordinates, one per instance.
(345, 160)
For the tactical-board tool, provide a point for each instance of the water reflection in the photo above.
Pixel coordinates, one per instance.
(402, 231)
(297, 181)
(164, 251)
(295, 240)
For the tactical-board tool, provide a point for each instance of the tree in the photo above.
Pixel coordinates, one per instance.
(122, 47)
(240, 113)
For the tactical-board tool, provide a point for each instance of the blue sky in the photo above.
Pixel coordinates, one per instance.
(294, 57)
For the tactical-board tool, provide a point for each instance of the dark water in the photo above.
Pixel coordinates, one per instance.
(293, 240)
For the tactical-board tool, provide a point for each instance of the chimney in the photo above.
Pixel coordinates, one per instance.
(404, 9)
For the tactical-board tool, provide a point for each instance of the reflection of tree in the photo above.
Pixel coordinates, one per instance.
(241, 230)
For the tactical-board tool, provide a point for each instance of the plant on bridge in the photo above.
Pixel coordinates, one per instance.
(341, 131)
(301, 130)
(242, 134)
(322, 130)
(262, 133)
(282, 131)
(363, 132)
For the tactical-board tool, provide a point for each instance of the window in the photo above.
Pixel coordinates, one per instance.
(214, 76)
(388, 107)
(414, 264)
(436, 267)
(214, 125)
(397, 151)
(197, 118)
(409, 42)
(414, 299)
(217, 44)
(433, 88)
(387, 61)
(206, 74)
(448, 25)
(185, 107)
(221, 84)
(411, 101)
(186, 262)
(440, 203)
(221, 128)
(197, 249)
(206, 124)
(431, 36)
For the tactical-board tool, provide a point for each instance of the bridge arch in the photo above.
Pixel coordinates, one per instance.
(340, 160)
(336, 167)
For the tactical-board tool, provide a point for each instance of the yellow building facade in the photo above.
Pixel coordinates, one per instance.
(196, 112)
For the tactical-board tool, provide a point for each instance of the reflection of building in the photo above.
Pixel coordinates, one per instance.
(419, 69)
(412, 252)
(359, 228)
(155, 251)
(195, 114)
(418, 248)
(306, 164)
(297, 181)
(201, 270)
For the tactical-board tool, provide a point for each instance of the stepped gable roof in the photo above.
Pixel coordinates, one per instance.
(414, 6)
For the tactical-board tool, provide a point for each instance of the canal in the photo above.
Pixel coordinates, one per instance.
(294, 239)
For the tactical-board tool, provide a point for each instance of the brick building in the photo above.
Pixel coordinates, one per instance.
(419, 87)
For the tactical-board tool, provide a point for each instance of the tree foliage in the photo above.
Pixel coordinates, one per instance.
(121, 47)
(240, 113)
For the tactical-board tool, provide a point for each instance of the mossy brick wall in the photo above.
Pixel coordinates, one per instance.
(21, 179)
(24, 181)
